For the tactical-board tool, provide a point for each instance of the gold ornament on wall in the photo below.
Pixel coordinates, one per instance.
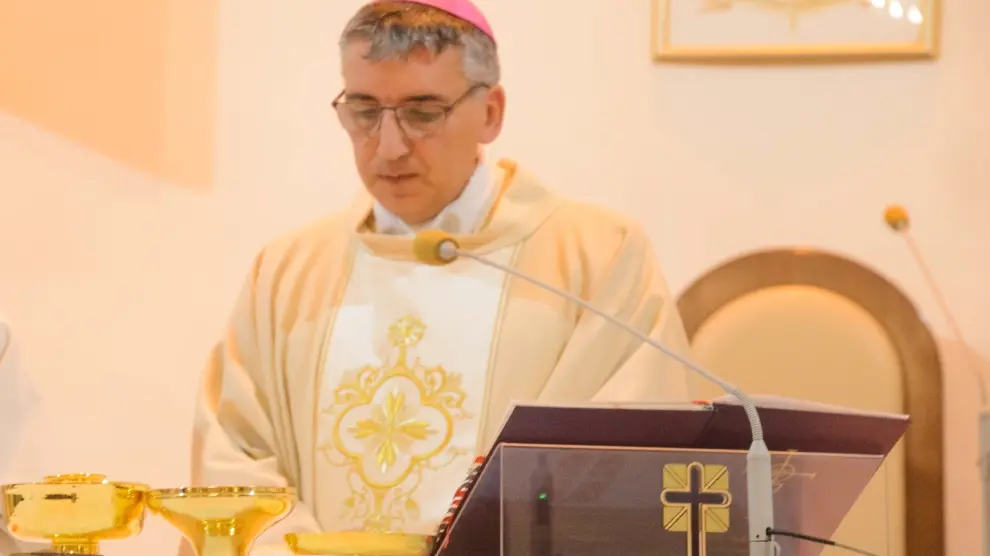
(794, 9)
(755, 31)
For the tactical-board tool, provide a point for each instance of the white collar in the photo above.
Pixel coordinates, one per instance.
(463, 216)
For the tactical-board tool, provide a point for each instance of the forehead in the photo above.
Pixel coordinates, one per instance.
(394, 79)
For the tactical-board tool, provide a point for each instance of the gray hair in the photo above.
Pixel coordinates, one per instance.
(396, 28)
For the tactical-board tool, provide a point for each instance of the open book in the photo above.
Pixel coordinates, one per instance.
(761, 402)
(788, 425)
(779, 402)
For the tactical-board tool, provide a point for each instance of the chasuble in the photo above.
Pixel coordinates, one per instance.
(370, 382)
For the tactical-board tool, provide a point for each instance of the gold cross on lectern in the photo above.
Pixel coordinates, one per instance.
(696, 501)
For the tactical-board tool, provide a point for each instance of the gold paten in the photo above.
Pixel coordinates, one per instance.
(360, 543)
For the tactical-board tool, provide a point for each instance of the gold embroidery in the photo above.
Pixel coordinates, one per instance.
(390, 425)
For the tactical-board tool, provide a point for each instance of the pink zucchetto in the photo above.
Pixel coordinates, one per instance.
(461, 9)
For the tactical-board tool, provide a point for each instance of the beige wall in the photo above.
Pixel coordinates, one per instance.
(134, 81)
(118, 275)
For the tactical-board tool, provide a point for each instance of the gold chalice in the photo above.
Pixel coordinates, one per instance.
(74, 512)
(360, 543)
(222, 520)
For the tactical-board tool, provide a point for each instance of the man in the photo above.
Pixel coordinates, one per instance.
(370, 382)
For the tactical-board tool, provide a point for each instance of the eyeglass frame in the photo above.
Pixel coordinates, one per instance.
(446, 107)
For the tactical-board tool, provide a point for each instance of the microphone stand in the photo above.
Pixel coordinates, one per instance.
(897, 219)
(759, 470)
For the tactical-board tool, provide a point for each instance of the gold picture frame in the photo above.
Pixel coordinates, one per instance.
(882, 17)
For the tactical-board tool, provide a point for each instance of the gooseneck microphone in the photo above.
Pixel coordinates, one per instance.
(438, 248)
(897, 219)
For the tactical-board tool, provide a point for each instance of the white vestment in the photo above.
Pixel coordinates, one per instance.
(420, 421)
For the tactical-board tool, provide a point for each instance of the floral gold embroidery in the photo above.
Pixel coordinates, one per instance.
(390, 425)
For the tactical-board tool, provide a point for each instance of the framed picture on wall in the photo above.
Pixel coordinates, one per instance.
(793, 30)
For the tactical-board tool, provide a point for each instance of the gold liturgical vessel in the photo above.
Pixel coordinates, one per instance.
(74, 513)
(222, 520)
(360, 543)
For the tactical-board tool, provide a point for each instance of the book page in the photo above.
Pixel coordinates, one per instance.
(669, 406)
(780, 402)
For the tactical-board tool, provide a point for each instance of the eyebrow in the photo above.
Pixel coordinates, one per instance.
(412, 98)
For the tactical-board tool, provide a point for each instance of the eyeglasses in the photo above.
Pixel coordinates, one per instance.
(416, 119)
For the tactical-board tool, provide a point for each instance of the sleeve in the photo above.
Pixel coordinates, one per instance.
(235, 435)
(601, 362)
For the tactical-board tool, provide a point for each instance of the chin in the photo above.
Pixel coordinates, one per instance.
(403, 207)
(413, 216)
(415, 213)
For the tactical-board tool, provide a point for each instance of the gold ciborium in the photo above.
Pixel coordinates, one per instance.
(222, 520)
(74, 512)
(360, 543)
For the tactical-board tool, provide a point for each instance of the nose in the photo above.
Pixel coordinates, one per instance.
(392, 142)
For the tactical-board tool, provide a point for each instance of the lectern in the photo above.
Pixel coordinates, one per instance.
(664, 481)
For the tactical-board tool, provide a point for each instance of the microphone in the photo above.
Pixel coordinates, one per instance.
(899, 221)
(438, 248)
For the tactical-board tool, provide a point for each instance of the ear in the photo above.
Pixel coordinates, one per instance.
(5, 335)
(494, 115)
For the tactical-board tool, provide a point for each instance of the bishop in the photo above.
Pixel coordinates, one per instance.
(371, 382)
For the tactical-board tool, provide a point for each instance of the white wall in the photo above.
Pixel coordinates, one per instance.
(117, 284)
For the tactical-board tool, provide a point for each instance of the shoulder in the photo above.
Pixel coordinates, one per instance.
(596, 227)
(602, 251)
(302, 247)
(312, 235)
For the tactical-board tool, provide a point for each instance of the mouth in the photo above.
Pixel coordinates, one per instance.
(397, 179)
